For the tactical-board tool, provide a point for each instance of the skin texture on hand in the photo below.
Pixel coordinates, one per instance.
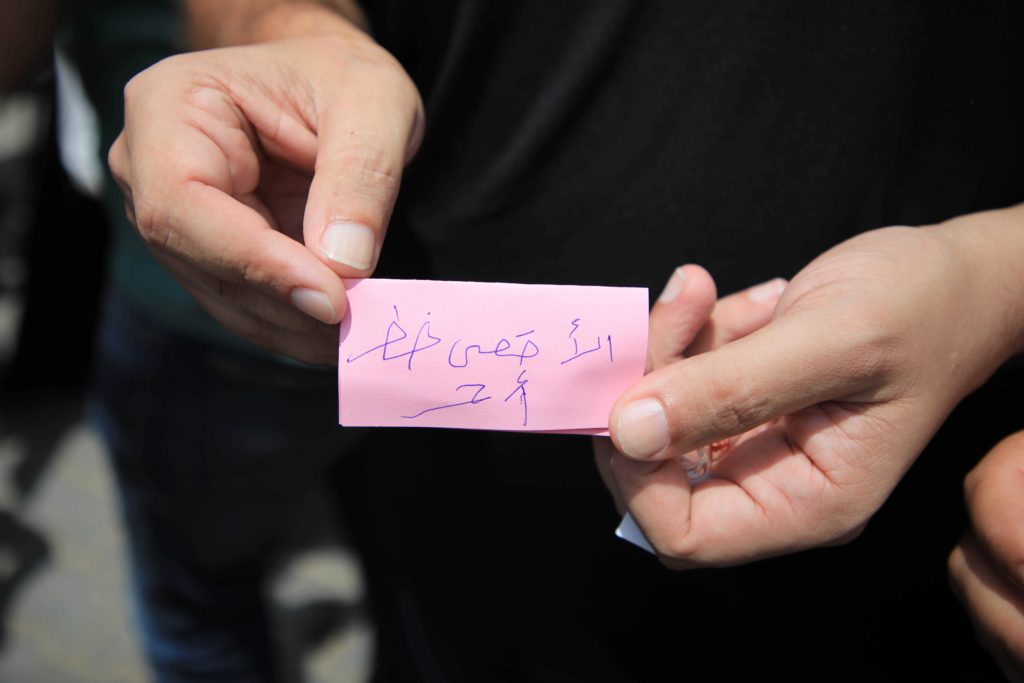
(827, 405)
(987, 567)
(687, 321)
(261, 175)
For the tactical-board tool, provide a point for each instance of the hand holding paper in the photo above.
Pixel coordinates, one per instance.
(824, 408)
(687, 321)
(259, 201)
(472, 355)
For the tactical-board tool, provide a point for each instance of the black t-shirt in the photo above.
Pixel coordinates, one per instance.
(608, 142)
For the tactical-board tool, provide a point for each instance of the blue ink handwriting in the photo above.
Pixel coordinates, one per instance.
(521, 390)
(471, 402)
(390, 342)
(500, 350)
(576, 353)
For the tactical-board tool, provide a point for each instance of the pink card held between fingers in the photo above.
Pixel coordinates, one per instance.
(476, 355)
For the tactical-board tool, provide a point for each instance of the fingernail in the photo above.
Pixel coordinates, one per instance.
(313, 303)
(642, 428)
(767, 291)
(673, 286)
(348, 243)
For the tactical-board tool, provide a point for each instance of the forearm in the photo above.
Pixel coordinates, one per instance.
(992, 246)
(222, 23)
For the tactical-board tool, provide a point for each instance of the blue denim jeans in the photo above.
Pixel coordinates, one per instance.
(213, 452)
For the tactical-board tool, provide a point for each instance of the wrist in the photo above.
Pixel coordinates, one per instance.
(990, 248)
(224, 23)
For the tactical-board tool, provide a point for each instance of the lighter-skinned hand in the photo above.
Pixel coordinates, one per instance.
(261, 175)
(687, 320)
(823, 408)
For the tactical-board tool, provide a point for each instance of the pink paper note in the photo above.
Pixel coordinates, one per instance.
(475, 355)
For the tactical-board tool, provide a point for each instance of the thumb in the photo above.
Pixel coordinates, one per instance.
(791, 363)
(995, 502)
(365, 136)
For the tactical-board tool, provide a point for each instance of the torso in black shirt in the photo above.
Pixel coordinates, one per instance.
(607, 143)
(610, 141)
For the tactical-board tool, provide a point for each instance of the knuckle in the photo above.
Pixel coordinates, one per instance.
(732, 406)
(116, 160)
(153, 79)
(380, 67)
(369, 166)
(402, 86)
(373, 62)
(263, 272)
(413, 93)
(147, 221)
(132, 87)
(367, 60)
(153, 224)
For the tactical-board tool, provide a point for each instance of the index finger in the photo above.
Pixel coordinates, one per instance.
(234, 243)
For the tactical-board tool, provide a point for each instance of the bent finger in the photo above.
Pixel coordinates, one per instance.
(233, 243)
(186, 159)
(737, 315)
(678, 315)
(254, 302)
(728, 519)
(308, 349)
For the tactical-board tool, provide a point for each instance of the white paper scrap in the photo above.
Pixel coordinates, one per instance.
(629, 531)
